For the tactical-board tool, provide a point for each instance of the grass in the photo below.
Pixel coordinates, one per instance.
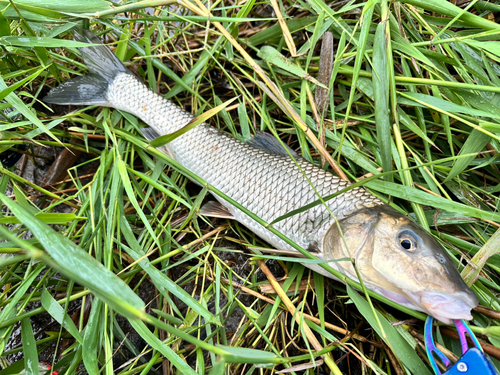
(109, 269)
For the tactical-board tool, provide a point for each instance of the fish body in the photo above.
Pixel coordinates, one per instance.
(262, 177)
(266, 183)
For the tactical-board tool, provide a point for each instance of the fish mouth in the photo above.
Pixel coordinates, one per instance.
(446, 308)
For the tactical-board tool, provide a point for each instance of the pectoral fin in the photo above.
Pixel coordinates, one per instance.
(215, 209)
(149, 133)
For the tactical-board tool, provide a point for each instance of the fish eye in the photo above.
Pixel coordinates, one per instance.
(407, 241)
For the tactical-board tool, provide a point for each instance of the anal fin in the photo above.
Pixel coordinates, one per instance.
(215, 209)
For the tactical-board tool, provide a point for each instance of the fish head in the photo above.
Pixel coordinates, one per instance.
(398, 259)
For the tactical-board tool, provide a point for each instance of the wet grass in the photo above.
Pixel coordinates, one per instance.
(114, 255)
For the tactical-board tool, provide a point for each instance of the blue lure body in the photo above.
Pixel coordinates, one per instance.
(473, 360)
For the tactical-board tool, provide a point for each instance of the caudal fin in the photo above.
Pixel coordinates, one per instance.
(91, 89)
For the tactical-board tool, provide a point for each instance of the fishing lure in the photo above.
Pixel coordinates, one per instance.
(473, 360)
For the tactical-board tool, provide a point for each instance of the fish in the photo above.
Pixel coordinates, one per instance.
(395, 257)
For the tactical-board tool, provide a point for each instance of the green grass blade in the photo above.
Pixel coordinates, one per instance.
(80, 266)
(451, 10)
(473, 145)
(162, 282)
(167, 138)
(57, 312)
(29, 348)
(32, 41)
(424, 198)
(381, 97)
(393, 339)
(91, 337)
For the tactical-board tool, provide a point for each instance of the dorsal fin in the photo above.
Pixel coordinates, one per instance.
(267, 142)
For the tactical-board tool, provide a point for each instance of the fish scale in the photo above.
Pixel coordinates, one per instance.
(252, 177)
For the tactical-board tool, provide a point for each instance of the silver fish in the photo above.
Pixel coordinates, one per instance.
(395, 256)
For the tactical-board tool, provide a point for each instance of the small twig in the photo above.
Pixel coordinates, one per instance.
(487, 311)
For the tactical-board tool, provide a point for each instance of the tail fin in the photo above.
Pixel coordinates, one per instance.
(103, 66)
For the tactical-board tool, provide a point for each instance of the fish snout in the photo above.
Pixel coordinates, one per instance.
(445, 308)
